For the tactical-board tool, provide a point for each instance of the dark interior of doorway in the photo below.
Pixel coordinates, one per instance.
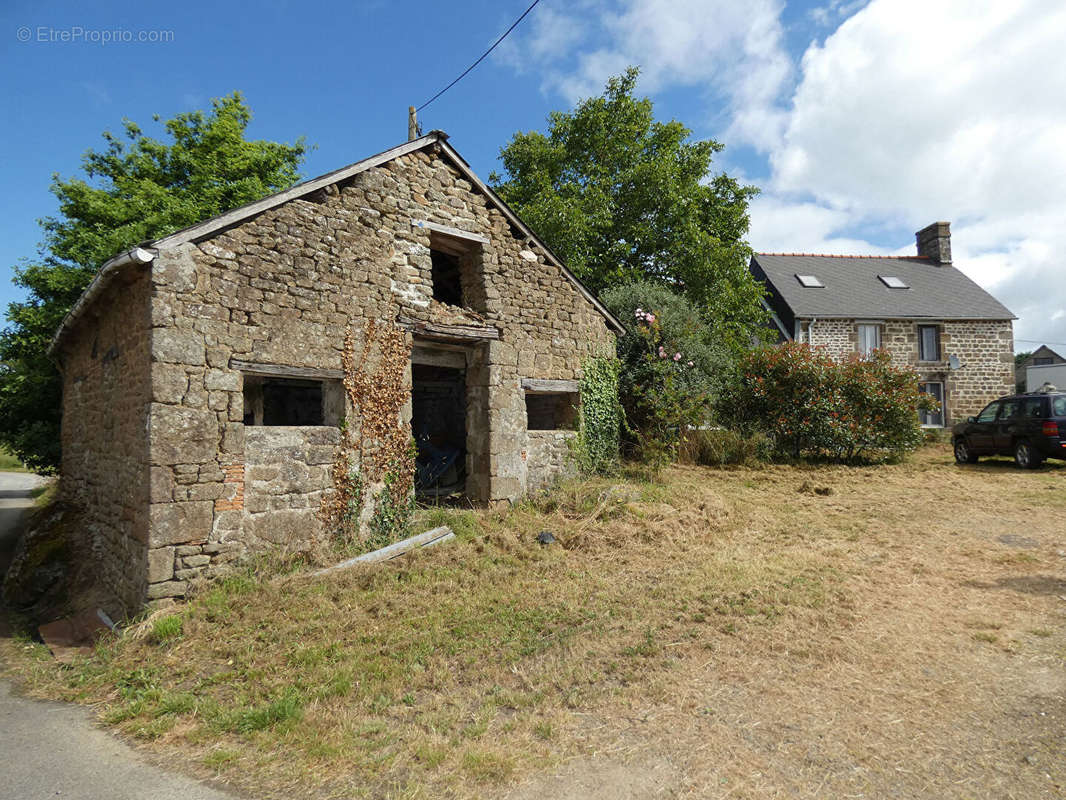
(438, 422)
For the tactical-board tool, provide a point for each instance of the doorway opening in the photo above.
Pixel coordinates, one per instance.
(438, 423)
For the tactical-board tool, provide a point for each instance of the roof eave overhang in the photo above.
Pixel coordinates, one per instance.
(946, 318)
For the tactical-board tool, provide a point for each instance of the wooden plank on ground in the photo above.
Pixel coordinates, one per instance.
(428, 539)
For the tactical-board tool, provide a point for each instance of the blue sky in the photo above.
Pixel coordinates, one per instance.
(859, 123)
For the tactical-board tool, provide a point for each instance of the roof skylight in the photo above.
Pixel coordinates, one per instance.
(892, 282)
(810, 281)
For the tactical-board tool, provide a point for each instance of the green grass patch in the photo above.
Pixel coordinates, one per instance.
(166, 629)
(9, 462)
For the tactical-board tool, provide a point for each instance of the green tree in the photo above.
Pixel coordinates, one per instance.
(621, 197)
(136, 188)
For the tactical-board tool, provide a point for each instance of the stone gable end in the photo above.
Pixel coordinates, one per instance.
(276, 291)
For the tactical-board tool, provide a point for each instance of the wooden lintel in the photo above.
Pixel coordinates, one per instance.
(455, 333)
(285, 371)
(546, 386)
(447, 230)
(433, 357)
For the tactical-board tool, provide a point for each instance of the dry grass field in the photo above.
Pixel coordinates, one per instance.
(829, 632)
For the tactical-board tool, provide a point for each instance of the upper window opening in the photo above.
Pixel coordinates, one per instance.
(457, 274)
(892, 282)
(291, 401)
(869, 338)
(810, 281)
(551, 412)
(928, 343)
(1043, 361)
(447, 281)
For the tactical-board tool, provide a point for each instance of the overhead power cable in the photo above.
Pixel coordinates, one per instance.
(1041, 341)
(482, 58)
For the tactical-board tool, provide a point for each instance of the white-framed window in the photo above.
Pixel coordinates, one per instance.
(932, 419)
(928, 342)
(869, 338)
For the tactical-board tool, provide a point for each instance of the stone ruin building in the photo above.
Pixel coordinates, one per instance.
(202, 372)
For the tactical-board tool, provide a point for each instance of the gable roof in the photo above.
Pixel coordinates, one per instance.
(853, 288)
(145, 252)
(1043, 352)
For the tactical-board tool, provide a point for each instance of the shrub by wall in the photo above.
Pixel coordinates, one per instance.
(810, 405)
(672, 368)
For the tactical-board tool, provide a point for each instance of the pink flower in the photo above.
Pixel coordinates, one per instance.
(649, 317)
(691, 364)
(677, 356)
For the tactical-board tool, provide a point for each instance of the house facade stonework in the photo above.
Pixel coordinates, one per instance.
(923, 311)
(984, 350)
(203, 397)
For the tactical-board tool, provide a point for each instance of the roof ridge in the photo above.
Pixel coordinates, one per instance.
(838, 255)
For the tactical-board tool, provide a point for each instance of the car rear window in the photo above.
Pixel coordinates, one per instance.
(1058, 406)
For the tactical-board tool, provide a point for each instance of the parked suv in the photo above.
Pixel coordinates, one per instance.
(1030, 427)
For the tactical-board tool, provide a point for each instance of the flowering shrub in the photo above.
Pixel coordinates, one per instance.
(810, 405)
(671, 368)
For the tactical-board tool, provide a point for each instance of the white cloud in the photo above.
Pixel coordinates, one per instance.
(727, 50)
(953, 118)
(909, 112)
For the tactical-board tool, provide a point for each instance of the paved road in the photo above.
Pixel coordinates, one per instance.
(52, 750)
(15, 498)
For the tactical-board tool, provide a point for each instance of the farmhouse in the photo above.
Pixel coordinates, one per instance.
(205, 389)
(921, 309)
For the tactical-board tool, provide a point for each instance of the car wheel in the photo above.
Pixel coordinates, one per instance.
(1025, 456)
(963, 454)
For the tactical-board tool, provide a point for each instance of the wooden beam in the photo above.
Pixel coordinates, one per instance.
(285, 371)
(449, 333)
(453, 359)
(455, 233)
(545, 386)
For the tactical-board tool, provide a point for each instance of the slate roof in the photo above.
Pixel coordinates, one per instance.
(853, 289)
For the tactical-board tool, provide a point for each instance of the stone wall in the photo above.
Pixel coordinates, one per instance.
(548, 458)
(105, 368)
(985, 349)
(279, 289)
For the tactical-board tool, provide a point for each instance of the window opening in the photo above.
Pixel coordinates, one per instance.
(892, 282)
(551, 412)
(869, 338)
(936, 390)
(447, 278)
(810, 281)
(291, 401)
(928, 343)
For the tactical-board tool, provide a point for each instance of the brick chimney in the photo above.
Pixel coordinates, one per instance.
(934, 242)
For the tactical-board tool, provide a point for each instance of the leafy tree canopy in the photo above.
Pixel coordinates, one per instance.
(622, 197)
(135, 189)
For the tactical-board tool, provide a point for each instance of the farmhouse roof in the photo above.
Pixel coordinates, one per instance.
(855, 287)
